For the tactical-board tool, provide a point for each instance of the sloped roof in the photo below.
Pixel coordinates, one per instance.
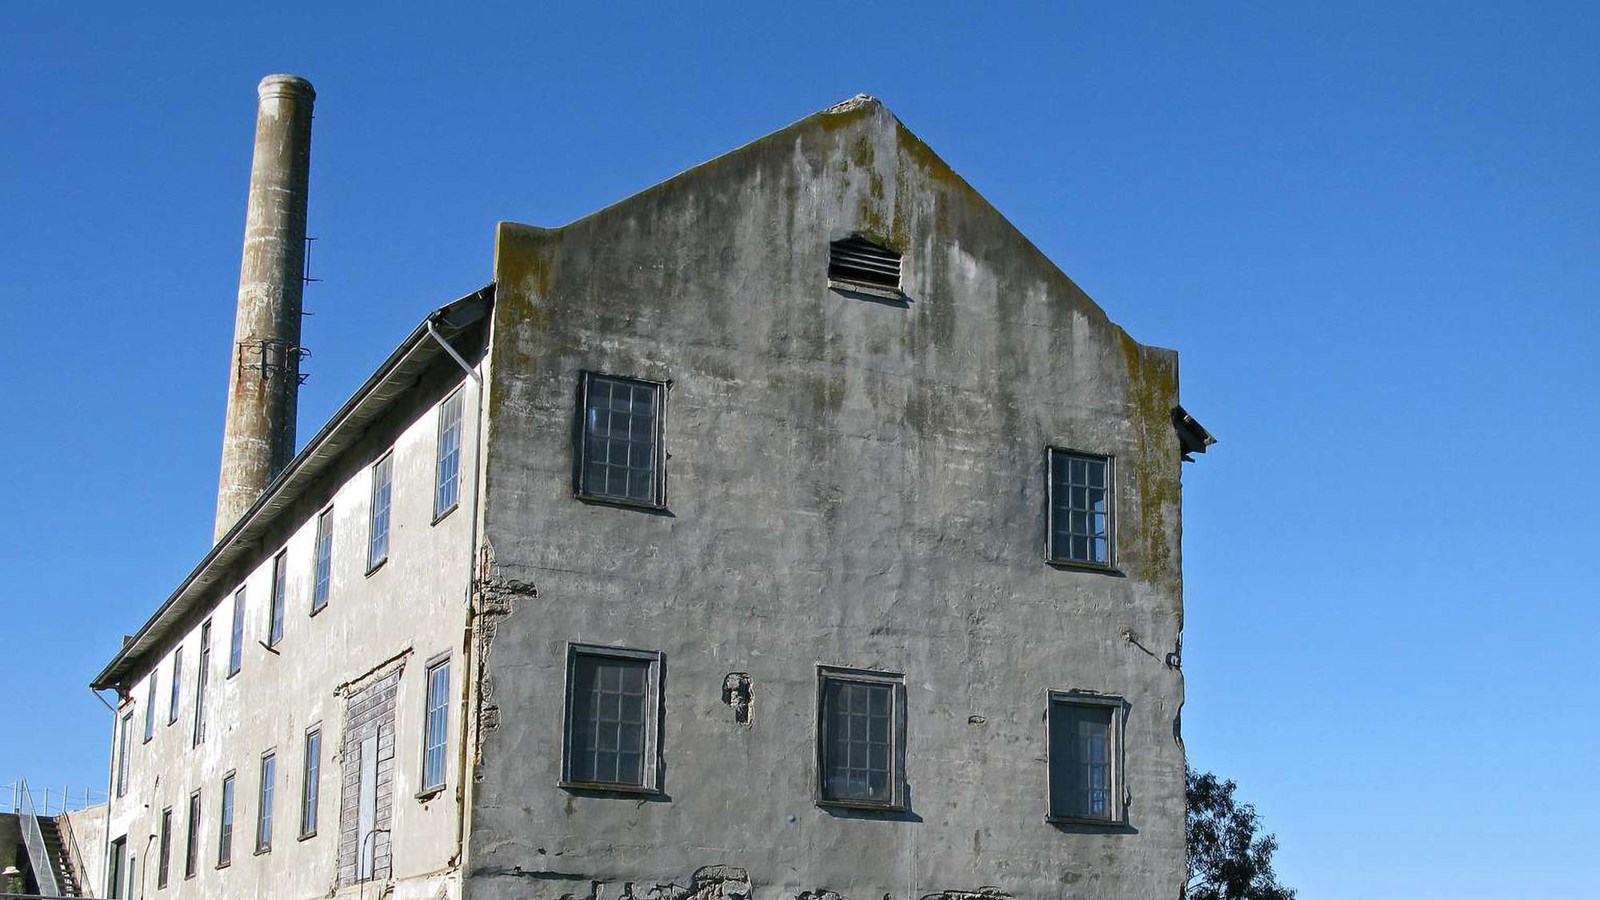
(388, 384)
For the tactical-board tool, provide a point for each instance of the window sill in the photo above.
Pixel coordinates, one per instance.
(306, 835)
(1089, 821)
(624, 503)
(632, 790)
(317, 609)
(376, 566)
(427, 794)
(220, 866)
(262, 851)
(871, 291)
(1077, 565)
(862, 806)
(440, 517)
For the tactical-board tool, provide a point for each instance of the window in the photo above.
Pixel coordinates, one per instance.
(191, 842)
(1085, 757)
(612, 719)
(447, 471)
(1080, 508)
(225, 827)
(280, 587)
(436, 724)
(125, 730)
(309, 785)
(324, 559)
(378, 535)
(236, 639)
(201, 676)
(620, 453)
(177, 685)
(861, 262)
(164, 862)
(117, 867)
(150, 708)
(269, 769)
(861, 722)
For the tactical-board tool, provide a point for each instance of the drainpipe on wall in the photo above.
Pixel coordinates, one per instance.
(111, 774)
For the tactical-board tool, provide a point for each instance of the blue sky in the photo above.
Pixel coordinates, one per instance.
(1372, 231)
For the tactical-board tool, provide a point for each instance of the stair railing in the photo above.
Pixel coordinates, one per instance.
(73, 862)
(38, 857)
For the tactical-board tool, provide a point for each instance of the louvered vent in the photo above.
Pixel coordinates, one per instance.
(863, 262)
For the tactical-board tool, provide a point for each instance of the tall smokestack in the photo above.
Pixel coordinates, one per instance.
(264, 374)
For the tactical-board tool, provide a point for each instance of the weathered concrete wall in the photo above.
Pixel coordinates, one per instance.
(405, 612)
(89, 830)
(850, 482)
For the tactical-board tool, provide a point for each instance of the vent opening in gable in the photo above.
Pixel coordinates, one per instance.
(863, 262)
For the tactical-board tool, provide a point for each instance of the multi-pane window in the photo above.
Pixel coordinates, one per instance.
(164, 862)
(117, 866)
(269, 769)
(201, 676)
(1080, 508)
(378, 533)
(177, 685)
(191, 841)
(125, 730)
(236, 638)
(310, 784)
(225, 826)
(620, 455)
(611, 718)
(280, 587)
(150, 708)
(324, 561)
(860, 724)
(447, 471)
(436, 724)
(1085, 750)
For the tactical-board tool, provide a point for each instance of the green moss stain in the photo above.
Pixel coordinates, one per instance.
(1152, 389)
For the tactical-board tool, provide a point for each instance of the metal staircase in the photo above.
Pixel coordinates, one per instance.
(52, 848)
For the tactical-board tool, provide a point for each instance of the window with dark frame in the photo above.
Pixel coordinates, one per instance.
(378, 523)
(1085, 758)
(150, 707)
(236, 636)
(116, 867)
(125, 732)
(1080, 508)
(225, 824)
(436, 725)
(269, 771)
(323, 576)
(310, 784)
(447, 468)
(177, 686)
(612, 719)
(620, 454)
(164, 863)
(191, 841)
(202, 675)
(860, 720)
(280, 587)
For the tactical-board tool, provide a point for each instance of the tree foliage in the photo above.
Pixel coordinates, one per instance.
(1227, 859)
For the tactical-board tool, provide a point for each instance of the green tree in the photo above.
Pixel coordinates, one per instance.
(1227, 859)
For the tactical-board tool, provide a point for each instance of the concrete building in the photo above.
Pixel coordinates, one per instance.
(792, 529)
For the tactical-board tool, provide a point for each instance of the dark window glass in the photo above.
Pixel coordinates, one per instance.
(447, 473)
(202, 675)
(378, 535)
(436, 725)
(236, 638)
(1081, 761)
(1080, 508)
(607, 745)
(116, 871)
(191, 843)
(124, 730)
(164, 864)
(324, 553)
(269, 769)
(856, 751)
(225, 827)
(310, 791)
(280, 587)
(150, 708)
(177, 685)
(621, 434)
